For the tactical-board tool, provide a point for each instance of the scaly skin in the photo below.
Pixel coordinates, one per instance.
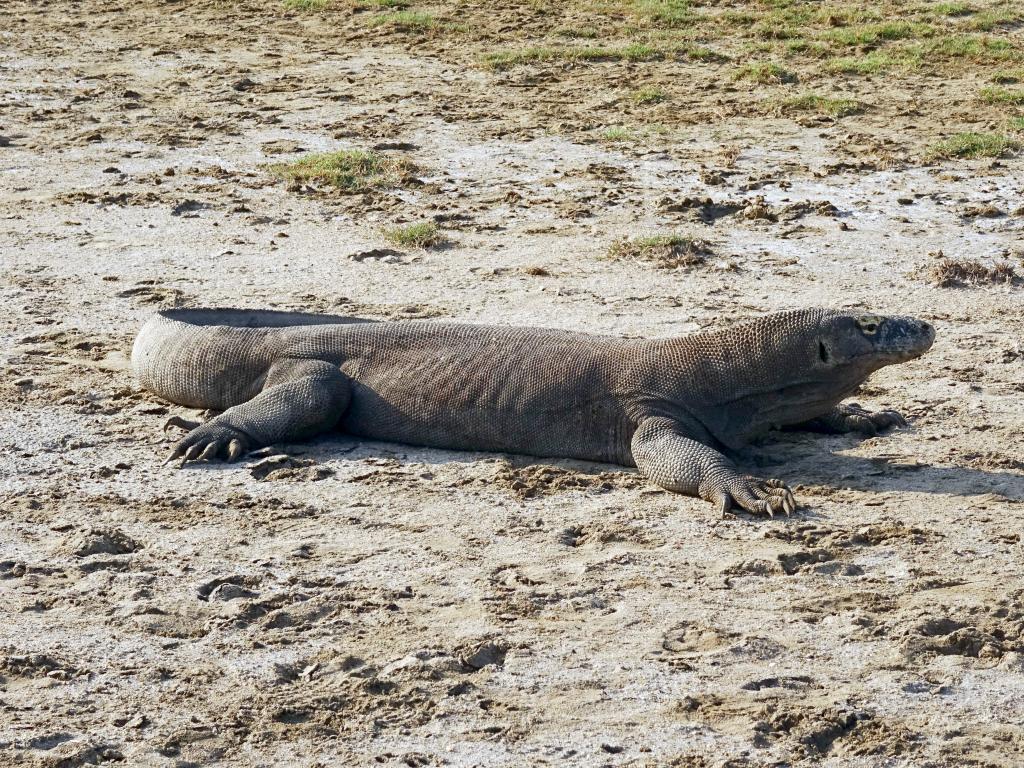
(669, 407)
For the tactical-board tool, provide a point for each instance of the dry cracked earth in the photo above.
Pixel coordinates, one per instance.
(355, 603)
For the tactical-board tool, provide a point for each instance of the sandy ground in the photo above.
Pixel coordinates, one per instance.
(347, 603)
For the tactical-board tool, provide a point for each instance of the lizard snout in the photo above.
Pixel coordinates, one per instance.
(904, 338)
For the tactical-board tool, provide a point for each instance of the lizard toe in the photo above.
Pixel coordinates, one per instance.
(192, 453)
(236, 449)
(211, 450)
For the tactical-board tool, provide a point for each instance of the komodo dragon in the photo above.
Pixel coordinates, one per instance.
(671, 407)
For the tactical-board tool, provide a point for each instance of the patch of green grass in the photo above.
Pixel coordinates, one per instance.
(405, 21)
(664, 13)
(1002, 96)
(808, 48)
(764, 73)
(790, 16)
(767, 30)
(873, 34)
(665, 251)
(382, 3)
(639, 52)
(305, 5)
(845, 15)
(616, 133)
(508, 59)
(649, 94)
(631, 52)
(822, 105)
(1007, 76)
(952, 9)
(1015, 124)
(700, 53)
(971, 145)
(424, 234)
(986, 21)
(871, 64)
(975, 47)
(583, 33)
(350, 170)
(738, 18)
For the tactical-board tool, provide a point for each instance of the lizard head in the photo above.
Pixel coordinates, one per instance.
(792, 366)
(863, 343)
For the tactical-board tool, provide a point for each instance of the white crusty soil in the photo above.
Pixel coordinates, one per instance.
(345, 603)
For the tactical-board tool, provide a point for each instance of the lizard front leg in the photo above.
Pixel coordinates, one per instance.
(300, 398)
(669, 458)
(850, 417)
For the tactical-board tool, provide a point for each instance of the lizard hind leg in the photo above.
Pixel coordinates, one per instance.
(299, 399)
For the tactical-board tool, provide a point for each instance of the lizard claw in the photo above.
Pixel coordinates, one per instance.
(757, 496)
(210, 441)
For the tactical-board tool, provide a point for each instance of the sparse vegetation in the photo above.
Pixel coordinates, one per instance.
(971, 145)
(764, 45)
(350, 170)
(424, 234)
(822, 105)
(664, 251)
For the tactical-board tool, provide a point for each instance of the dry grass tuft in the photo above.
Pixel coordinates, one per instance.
(663, 251)
(946, 272)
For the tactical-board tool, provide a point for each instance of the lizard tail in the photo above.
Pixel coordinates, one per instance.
(182, 355)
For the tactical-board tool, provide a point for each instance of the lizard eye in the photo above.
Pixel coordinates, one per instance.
(869, 324)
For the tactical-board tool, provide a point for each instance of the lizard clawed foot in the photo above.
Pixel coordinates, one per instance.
(852, 418)
(754, 495)
(210, 441)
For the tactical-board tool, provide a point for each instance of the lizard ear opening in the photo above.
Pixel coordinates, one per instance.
(823, 353)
